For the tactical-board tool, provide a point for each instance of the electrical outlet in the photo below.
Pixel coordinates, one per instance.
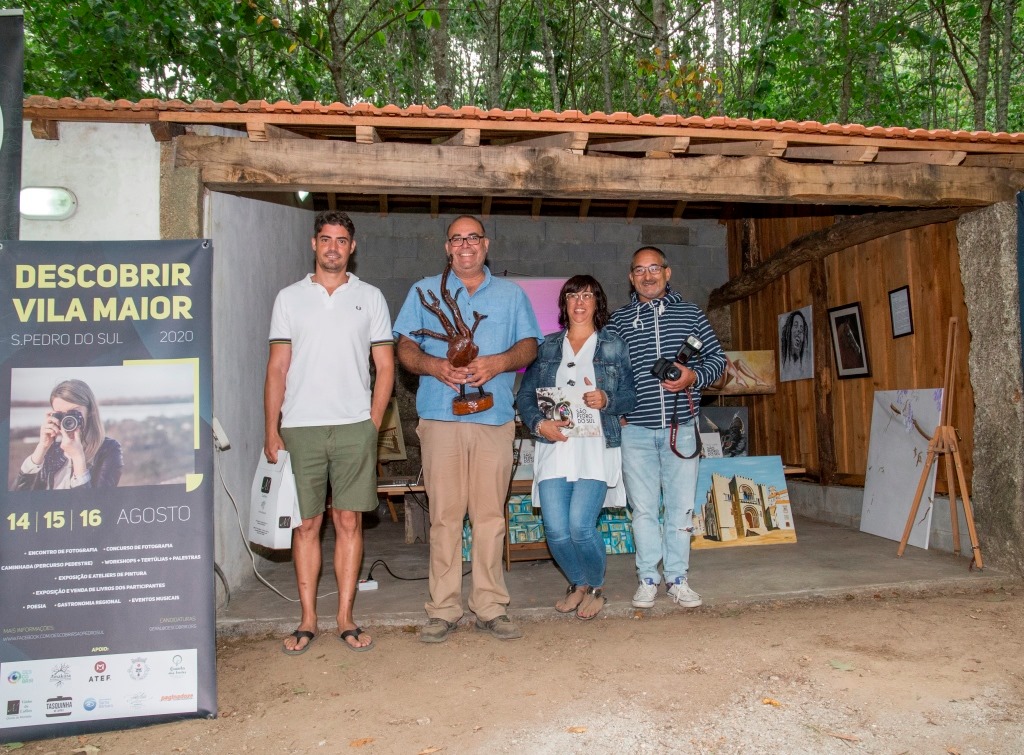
(367, 584)
(220, 438)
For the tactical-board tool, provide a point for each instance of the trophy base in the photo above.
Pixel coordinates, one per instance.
(463, 405)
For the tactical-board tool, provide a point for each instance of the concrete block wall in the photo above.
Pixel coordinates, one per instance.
(396, 251)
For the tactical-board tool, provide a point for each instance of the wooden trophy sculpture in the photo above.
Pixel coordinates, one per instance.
(461, 349)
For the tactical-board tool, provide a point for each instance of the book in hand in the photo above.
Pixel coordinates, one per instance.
(567, 404)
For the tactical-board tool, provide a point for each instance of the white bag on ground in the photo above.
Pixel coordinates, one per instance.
(274, 504)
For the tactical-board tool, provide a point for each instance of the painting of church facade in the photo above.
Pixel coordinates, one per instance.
(744, 501)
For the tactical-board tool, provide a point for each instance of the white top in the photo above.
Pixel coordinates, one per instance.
(331, 335)
(578, 458)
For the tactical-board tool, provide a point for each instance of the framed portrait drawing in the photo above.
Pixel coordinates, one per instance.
(899, 312)
(848, 341)
(796, 345)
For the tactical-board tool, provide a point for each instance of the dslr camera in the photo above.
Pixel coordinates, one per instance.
(69, 421)
(665, 369)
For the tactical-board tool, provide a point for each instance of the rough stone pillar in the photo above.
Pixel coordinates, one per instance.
(181, 198)
(988, 265)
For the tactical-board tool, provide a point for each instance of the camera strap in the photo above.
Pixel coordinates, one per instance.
(674, 428)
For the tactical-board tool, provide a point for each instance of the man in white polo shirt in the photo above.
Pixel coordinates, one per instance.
(318, 406)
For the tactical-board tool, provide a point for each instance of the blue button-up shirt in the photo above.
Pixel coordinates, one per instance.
(510, 319)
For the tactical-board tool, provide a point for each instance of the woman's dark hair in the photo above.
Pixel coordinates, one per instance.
(787, 337)
(78, 392)
(579, 283)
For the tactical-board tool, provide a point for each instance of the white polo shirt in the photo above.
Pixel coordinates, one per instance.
(331, 335)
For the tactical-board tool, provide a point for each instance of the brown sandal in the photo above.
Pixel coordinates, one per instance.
(593, 594)
(568, 594)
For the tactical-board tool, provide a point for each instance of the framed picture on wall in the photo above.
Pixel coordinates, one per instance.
(899, 312)
(848, 341)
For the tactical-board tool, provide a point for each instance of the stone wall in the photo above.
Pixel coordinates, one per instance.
(988, 266)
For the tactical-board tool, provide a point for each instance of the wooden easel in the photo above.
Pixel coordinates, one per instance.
(945, 443)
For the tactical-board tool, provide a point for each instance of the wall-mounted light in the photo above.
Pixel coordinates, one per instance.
(302, 195)
(47, 203)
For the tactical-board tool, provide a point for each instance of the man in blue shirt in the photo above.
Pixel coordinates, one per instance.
(467, 459)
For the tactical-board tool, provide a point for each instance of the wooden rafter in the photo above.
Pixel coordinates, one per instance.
(45, 129)
(290, 164)
(574, 141)
(765, 147)
(631, 210)
(367, 135)
(485, 207)
(382, 201)
(467, 137)
(535, 208)
(584, 209)
(820, 244)
(670, 144)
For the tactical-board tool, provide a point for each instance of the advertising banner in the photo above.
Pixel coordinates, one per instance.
(106, 522)
(12, 53)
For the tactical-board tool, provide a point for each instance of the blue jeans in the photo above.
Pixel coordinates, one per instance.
(652, 473)
(570, 511)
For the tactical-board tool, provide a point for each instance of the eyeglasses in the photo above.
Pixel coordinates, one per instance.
(581, 296)
(472, 239)
(652, 269)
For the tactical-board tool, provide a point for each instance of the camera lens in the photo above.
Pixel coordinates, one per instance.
(69, 423)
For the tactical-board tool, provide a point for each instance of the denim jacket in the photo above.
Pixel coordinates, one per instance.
(611, 368)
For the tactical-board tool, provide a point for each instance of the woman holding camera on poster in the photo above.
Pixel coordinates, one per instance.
(73, 450)
(585, 369)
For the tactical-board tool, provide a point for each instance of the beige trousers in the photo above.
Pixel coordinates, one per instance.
(466, 469)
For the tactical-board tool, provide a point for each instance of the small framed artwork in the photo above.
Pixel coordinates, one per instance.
(899, 312)
(848, 341)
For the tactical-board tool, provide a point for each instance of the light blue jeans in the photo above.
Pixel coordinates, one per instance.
(652, 473)
(570, 511)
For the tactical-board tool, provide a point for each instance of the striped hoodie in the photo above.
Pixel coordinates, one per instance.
(658, 328)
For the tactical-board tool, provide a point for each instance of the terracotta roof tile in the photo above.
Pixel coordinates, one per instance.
(472, 113)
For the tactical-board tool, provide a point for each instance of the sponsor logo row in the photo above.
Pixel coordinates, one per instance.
(138, 669)
(60, 706)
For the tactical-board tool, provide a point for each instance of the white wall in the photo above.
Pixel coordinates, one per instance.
(114, 171)
(258, 249)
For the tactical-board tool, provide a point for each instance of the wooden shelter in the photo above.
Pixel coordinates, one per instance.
(820, 214)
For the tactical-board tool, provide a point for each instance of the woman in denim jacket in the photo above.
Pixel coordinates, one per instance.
(571, 398)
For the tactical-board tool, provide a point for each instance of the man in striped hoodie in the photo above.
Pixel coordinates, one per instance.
(659, 435)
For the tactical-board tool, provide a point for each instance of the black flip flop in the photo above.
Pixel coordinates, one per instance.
(299, 634)
(354, 634)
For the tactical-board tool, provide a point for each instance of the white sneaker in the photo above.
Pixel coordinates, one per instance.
(645, 594)
(681, 593)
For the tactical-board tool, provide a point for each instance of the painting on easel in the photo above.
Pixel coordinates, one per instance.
(745, 502)
(902, 424)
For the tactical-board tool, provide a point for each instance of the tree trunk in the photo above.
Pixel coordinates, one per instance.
(719, 51)
(336, 30)
(440, 57)
(981, 78)
(606, 68)
(492, 43)
(662, 58)
(1005, 73)
(845, 91)
(549, 53)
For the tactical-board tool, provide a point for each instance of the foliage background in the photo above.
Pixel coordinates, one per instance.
(916, 63)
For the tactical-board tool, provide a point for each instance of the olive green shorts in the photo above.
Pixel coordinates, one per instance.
(344, 456)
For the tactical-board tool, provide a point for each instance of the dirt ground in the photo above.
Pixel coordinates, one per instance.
(892, 674)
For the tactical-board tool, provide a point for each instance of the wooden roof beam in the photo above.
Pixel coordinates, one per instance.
(232, 164)
(673, 144)
(1015, 162)
(485, 206)
(574, 141)
(833, 154)
(261, 131)
(631, 209)
(367, 135)
(932, 157)
(467, 137)
(164, 132)
(535, 209)
(45, 129)
(435, 205)
(382, 200)
(584, 209)
(765, 147)
(677, 212)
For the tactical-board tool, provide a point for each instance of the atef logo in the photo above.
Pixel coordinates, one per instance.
(99, 667)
